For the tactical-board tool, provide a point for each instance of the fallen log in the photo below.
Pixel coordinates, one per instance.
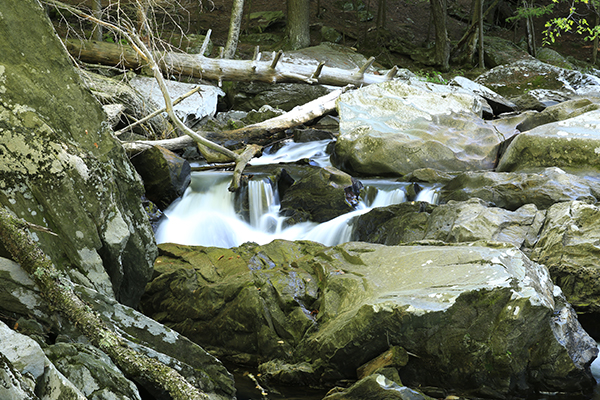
(251, 133)
(199, 66)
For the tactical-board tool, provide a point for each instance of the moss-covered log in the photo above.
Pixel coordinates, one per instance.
(58, 292)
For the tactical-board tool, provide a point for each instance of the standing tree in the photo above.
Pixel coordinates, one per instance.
(298, 24)
(234, 28)
(442, 43)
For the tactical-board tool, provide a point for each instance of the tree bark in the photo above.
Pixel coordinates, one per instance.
(198, 66)
(298, 23)
(97, 11)
(442, 44)
(234, 29)
(60, 296)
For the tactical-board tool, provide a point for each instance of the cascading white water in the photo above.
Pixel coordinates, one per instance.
(206, 214)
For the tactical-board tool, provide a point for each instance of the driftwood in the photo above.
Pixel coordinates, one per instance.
(297, 116)
(60, 296)
(199, 66)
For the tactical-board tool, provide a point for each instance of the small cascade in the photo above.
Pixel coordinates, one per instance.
(264, 207)
(291, 151)
(206, 215)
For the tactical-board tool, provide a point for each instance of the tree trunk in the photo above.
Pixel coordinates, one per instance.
(60, 296)
(595, 43)
(481, 50)
(442, 44)
(97, 11)
(531, 46)
(234, 28)
(298, 23)
(198, 66)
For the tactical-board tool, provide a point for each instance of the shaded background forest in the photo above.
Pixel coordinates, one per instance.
(392, 34)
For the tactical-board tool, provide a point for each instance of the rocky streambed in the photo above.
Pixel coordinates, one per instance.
(479, 296)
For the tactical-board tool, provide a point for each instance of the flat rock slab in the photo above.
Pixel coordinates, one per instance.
(197, 106)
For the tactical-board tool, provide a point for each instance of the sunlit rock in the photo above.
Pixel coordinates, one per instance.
(395, 128)
(488, 309)
(572, 144)
(513, 190)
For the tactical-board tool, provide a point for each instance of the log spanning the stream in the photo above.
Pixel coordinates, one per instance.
(199, 66)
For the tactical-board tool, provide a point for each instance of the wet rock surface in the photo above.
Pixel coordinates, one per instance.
(338, 307)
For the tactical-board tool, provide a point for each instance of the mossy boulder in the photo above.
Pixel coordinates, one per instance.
(572, 145)
(319, 196)
(487, 308)
(525, 75)
(61, 168)
(511, 190)
(568, 246)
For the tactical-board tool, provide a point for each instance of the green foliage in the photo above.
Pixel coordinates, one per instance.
(573, 22)
(531, 11)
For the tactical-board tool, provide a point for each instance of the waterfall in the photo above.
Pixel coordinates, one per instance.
(206, 214)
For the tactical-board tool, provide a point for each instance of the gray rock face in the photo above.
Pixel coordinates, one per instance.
(568, 247)
(61, 168)
(89, 371)
(572, 144)
(513, 190)
(92, 372)
(489, 309)
(395, 128)
(21, 356)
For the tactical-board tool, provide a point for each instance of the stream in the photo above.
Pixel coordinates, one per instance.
(206, 215)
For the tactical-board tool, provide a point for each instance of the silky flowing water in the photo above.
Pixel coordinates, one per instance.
(207, 215)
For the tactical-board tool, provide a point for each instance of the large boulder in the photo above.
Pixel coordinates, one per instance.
(84, 368)
(37, 377)
(572, 145)
(511, 190)
(488, 309)
(394, 128)
(530, 74)
(61, 168)
(454, 222)
(568, 246)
